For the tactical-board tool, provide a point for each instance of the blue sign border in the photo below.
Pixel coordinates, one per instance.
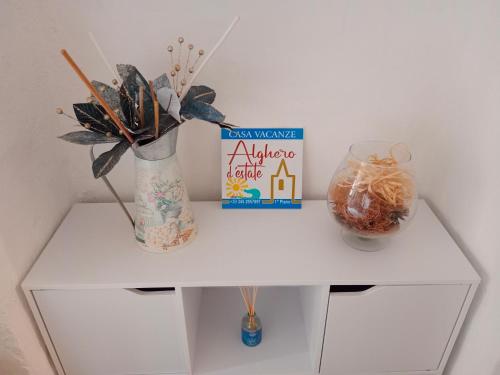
(261, 203)
(263, 133)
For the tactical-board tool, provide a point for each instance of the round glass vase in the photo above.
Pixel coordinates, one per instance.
(372, 194)
(163, 219)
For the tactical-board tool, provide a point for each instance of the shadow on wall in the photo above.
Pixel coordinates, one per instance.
(11, 359)
(480, 293)
(497, 368)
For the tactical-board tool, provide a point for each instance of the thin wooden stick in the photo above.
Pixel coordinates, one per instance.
(244, 299)
(249, 301)
(156, 108)
(103, 57)
(141, 106)
(249, 295)
(98, 96)
(253, 305)
(217, 45)
(113, 71)
(244, 289)
(249, 298)
(254, 298)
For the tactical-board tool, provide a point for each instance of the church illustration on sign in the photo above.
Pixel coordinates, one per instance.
(282, 184)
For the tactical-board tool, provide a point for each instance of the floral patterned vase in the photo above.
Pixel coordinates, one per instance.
(164, 219)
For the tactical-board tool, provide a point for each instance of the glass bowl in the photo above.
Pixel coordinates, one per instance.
(373, 194)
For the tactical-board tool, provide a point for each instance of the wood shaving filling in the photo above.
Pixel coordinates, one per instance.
(371, 198)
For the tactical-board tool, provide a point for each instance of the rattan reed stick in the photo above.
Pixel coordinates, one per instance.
(98, 96)
(141, 106)
(156, 109)
(103, 57)
(217, 45)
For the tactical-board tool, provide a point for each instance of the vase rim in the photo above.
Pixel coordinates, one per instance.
(388, 145)
(159, 149)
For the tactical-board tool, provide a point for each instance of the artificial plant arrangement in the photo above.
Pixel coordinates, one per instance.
(135, 111)
(145, 115)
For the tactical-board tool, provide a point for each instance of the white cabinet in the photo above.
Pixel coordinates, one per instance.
(114, 331)
(390, 329)
(85, 294)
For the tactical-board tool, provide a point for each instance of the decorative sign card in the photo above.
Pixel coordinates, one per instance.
(262, 167)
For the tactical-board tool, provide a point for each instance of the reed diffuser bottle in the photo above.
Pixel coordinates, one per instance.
(251, 326)
(251, 330)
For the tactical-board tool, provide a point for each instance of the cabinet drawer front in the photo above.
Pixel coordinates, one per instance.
(114, 331)
(390, 328)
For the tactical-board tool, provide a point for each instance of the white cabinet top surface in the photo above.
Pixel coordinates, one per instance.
(95, 248)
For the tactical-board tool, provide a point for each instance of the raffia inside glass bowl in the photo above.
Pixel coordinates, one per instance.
(372, 194)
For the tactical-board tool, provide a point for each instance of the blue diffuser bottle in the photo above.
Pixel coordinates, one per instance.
(251, 327)
(251, 330)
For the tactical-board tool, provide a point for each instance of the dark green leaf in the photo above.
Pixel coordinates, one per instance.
(200, 93)
(139, 131)
(111, 96)
(202, 111)
(127, 72)
(88, 138)
(107, 160)
(167, 123)
(127, 105)
(132, 81)
(161, 81)
(144, 139)
(93, 114)
(226, 125)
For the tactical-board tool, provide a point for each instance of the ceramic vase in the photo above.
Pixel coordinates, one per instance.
(163, 219)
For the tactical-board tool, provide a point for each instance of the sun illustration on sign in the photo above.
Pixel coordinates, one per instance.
(235, 187)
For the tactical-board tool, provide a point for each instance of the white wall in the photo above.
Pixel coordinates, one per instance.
(34, 184)
(422, 71)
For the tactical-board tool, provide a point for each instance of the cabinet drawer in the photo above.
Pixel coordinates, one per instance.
(383, 329)
(114, 331)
